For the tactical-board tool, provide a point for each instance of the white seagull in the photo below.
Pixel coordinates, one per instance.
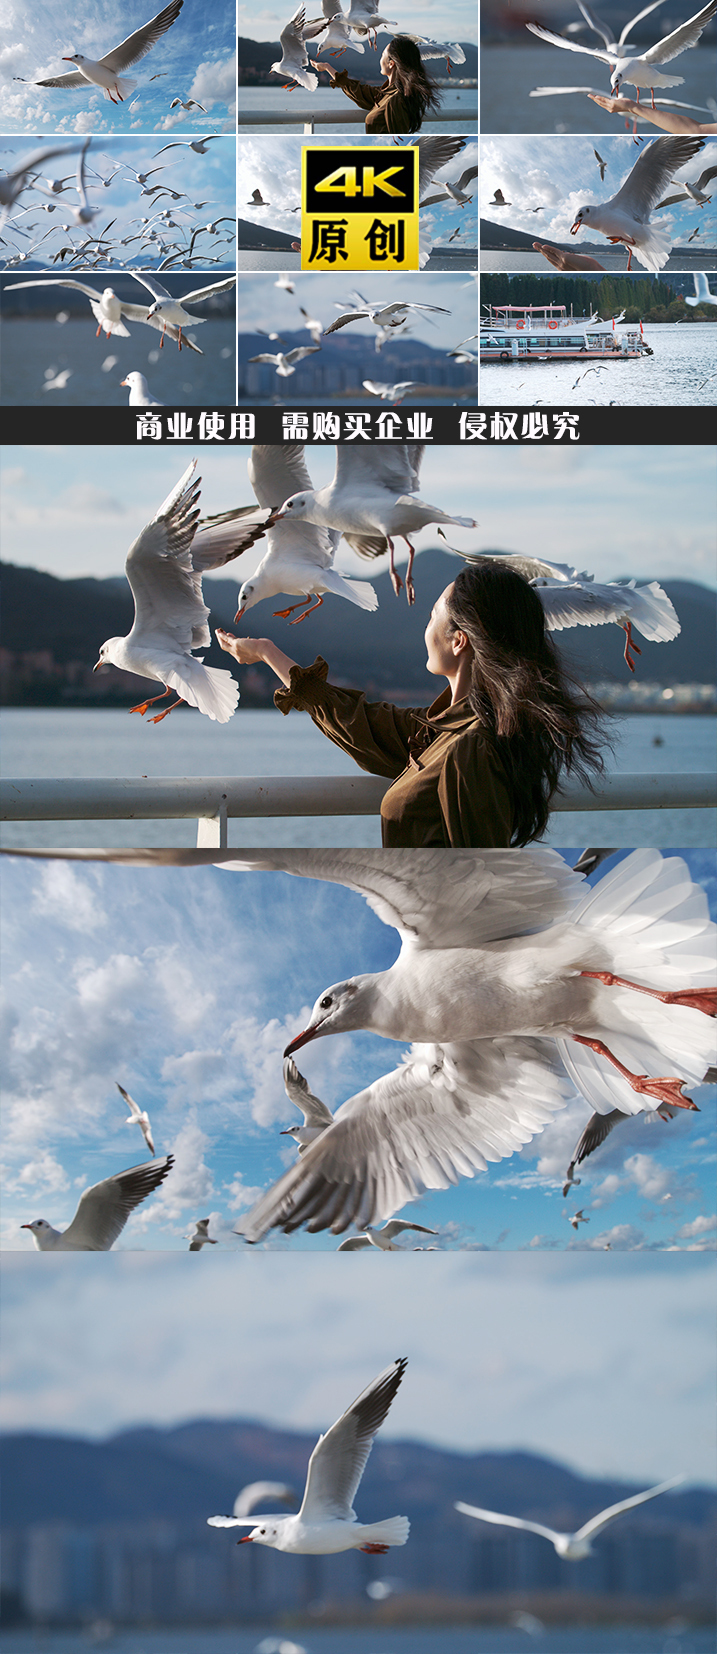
(294, 60)
(164, 568)
(452, 52)
(201, 1237)
(639, 69)
(106, 71)
(383, 1238)
(577, 1217)
(517, 983)
(453, 191)
(702, 293)
(372, 498)
(171, 310)
(326, 1522)
(365, 18)
(572, 599)
(140, 395)
(178, 103)
(626, 216)
(255, 1493)
(284, 364)
(383, 315)
(110, 312)
(316, 1115)
(13, 183)
(597, 1129)
(103, 1210)
(571, 1547)
(300, 555)
(335, 32)
(199, 145)
(694, 190)
(137, 1117)
(391, 393)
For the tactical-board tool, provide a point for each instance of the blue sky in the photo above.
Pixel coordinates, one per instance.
(205, 183)
(185, 986)
(615, 511)
(194, 59)
(563, 174)
(603, 1362)
(435, 18)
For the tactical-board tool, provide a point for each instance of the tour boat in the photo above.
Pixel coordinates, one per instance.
(546, 333)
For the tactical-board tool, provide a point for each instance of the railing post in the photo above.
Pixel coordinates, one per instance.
(212, 831)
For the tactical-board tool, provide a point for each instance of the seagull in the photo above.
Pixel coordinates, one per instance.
(391, 393)
(199, 145)
(499, 200)
(702, 293)
(284, 364)
(106, 71)
(626, 216)
(13, 183)
(255, 1493)
(694, 191)
(602, 165)
(139, 392)
(384, 1238)
(137, 1117)
(103, 1210)
(453, 53)
(83, 214)
(383, 315)
(572, 1547)
(335, 30)
(365, 19)
(316, 1115)
(57, 381)
(300, 555)
(312, 325)
(190, 104)
(598, 1128)
(164, 568)
(109, 311)
(461, 355)
(371, 498)
(282, 280)
(512, 982)
(257, 200)
(455, 192)
(294, 60)
(326, 1522)
(639, 70)
(169, 309)
(569, 1179)
(577, 1218)
(200, 1237)
(572, 599)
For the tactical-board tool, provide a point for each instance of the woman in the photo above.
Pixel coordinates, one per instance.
(479, 767)
(400, 104)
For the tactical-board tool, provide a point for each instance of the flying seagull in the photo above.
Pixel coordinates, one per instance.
(639, 69)
(383, 1238)
(571, 1547)
(137, 1117)
(103, 1210)
(106, 71)
(626, 216)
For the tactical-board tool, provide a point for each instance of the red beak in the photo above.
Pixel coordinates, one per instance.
(576, 226)
(302, 1039)
(25, 1225)
(98, 665)
(246, 1541)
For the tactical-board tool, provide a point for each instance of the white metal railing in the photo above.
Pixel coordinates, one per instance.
(212, 800)
(466, 112)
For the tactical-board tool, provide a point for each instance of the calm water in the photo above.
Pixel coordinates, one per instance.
(39, 742)
(31, 348)
(682, 372)
(467, 1640)
(281, 258)
(609, 258)
(509, 74)
(276, 102)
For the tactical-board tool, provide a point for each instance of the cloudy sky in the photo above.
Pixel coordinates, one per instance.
(185, 985)
(562, 174)
(194, 59)
(435, 18)
(614, 510)
(282, 1340)
(273, 165)
(205, 182)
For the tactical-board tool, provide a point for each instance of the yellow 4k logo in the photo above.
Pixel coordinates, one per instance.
(345, 182)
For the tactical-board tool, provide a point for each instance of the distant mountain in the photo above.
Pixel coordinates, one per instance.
(51, 629)
(499, 237)
(255, 58)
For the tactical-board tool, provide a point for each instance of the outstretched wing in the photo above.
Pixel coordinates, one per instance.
(681, 39)
(166, 588)
(508, 1521)
(137, 45)
(104, 1209)
(653, 172)
(339, 1458)
(597, 1523)
(206, 292)
(297, 1090)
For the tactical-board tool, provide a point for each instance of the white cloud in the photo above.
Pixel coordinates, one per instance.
(214, 82)
(698, 1226)
(44, 1175)
(63, 895)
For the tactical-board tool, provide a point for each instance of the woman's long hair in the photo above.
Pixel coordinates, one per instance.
(540, 721)
(418, 92)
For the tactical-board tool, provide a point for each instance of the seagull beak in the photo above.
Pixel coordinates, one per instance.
(246, 1541)
(25, 1225)
(98, 665)
(303, 1039)
(238, 616)
(576, 226)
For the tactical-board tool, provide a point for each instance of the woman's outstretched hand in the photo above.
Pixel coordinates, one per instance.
(248, 650)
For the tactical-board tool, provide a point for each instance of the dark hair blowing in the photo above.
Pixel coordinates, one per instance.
(541, 723)
(418, 92)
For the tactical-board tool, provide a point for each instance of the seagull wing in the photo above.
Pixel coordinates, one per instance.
(256, 1492)
(704, 178)
(467, 177)
(153, 286)
(597, 1129)
(137, 45)
(220, 539)
(348, 316)
(396, 468)
(672, 200)
(597, 1523)
(299, 353)
(508, 1521)
(58, 281)
(444, 1113)
(206, 292)
(570, 45)
(73, 78)
(598, 26)
(275, 474)
(434, 153)
(653, 172)
(431, 200)
(531, 568)
(397, 1226)
(297, 1090)
(133, 1107)
(166, 588)
(104, 1209)
(687, 35)
(339, 1458)
(355, 1243)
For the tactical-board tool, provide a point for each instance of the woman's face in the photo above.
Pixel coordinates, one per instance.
(386, 63)
(440, 637)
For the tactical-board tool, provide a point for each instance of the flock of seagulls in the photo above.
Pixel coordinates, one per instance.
(638, 69)
(337, 31)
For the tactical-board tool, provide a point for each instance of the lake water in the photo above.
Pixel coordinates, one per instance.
(174, 377)
(282, 258)
(609, 258)
(682, 372)
(462, 103)
(95, 742)
(465, 1640)
(509, 74)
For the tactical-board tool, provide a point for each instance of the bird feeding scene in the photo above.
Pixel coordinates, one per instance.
(111, 67)
(356, 66)
(366, 627)
(400, 339)
(598, 340)
(119, 204)
(93, 345)
(259, 1462)
(269, 210)
(653, 69)
(360, 1050)
(627, 209)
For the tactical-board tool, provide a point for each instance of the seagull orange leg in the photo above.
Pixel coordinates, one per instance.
(630, 644)
(144, 704)
(161, 715)
(374, 1550)
(698, 999)
(284, 613)
(396, 580)
(666, 1089)
(410, 588)
(299, 618)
